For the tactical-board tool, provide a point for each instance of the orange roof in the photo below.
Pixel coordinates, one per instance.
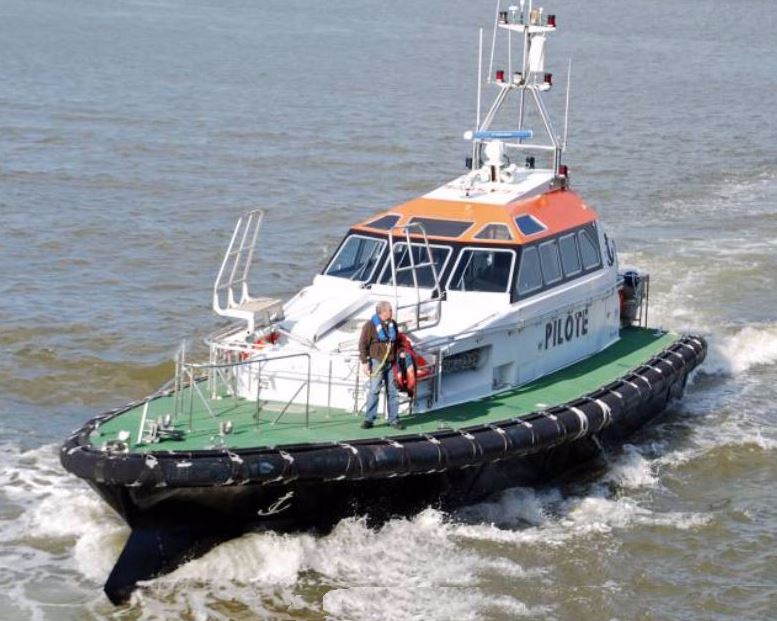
(558, 210)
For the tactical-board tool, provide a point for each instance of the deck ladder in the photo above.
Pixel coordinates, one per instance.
(231, 297)
(416, 229)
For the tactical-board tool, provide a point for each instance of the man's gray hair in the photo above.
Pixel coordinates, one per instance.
(382, 305)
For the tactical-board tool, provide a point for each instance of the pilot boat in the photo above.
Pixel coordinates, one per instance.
(527, 352)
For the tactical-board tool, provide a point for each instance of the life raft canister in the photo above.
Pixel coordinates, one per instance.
(409, 366)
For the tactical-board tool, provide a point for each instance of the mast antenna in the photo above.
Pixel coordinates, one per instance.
(566, 106)
(480, 77)
(493, 42)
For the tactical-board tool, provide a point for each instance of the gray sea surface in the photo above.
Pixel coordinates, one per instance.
(133, 133)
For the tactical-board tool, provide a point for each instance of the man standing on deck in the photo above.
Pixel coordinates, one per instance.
(377, 350)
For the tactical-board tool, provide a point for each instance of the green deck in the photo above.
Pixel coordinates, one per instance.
(635, 347)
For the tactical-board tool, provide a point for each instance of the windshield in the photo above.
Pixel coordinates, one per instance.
(357, 258)
(424, 275)
(482, 270)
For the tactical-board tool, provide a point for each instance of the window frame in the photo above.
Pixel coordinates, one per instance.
(522, 294)
(369, 225)
(595, 242)
(460, 254)
(548, 283)
(382, 240)
(440, 273)
(511, 238)
(422, 220)
(590, 229)
(580, 268)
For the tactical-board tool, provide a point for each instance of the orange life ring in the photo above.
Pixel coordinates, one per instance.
(408, 366)
(272, 338)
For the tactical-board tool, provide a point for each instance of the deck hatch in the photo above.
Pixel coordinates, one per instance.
(529, 225)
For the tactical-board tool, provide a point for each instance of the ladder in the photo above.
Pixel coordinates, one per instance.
(231, 297)
(416, 229)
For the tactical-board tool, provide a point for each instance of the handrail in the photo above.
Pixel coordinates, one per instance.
(413, 267)
(236, 257)
(186, 376)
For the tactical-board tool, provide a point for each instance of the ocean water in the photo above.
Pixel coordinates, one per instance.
(132, 133)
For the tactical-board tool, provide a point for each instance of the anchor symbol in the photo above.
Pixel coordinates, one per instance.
(278, 506)
(609, 244)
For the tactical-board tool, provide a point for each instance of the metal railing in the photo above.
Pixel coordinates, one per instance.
(417, 229)
(237, 261)
(192, 375)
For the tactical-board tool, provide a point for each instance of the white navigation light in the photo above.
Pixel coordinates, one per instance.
(537, 54)
(494, 152)
(513, 9)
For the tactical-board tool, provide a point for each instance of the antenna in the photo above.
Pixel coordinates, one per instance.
(566, 108)
(480, 77)
(493, 42)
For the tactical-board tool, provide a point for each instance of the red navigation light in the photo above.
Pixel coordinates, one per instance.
(500, 75)
(563, 170)
(549, 79)
(552, 21)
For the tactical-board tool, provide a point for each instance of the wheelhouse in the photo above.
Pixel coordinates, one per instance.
(520, 270)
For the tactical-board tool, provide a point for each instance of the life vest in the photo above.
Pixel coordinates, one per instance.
(382, 336)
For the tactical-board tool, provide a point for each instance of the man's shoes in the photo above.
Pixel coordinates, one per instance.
(397, 424)
(366, 424)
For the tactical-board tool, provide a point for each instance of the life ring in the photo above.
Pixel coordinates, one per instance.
(409, 367)
(271, 339)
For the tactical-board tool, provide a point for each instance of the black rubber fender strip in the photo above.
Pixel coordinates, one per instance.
(413, 453)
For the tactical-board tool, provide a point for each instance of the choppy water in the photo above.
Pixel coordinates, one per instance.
(133, 133)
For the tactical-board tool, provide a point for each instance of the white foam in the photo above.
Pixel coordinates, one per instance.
(632, 470)
(348, 555)
(742, 350)
(56, 506)
(409, 557)
(564, 519)
(422, 603)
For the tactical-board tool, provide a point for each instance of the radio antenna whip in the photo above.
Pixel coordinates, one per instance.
(566, 107)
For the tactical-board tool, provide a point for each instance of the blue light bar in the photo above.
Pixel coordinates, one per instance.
(504, 134)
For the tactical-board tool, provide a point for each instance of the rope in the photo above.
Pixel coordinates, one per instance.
(382, 362)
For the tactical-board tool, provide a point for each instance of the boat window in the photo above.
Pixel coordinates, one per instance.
(551, 266)
(424, 275)
(441, 228)
(384, 223)
(357, 258)
(529, 225)
(480, 269)
(570, 258)
(589, 250)
(494, 231)
(529, 274)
